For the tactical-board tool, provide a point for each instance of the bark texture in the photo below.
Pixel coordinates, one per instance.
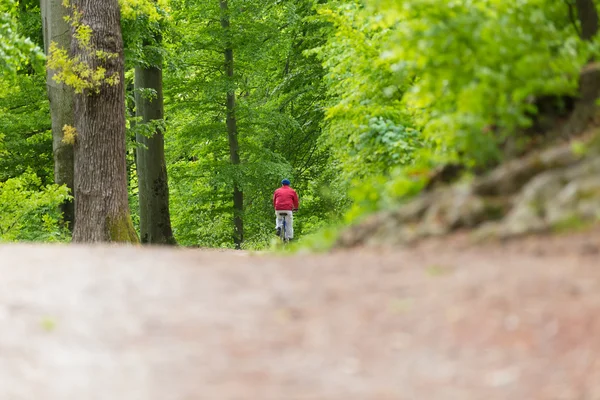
(155, 220)
(56, 29)
(232, 134)
(101, 202)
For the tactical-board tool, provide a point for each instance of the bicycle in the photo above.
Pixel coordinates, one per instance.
(283, 232)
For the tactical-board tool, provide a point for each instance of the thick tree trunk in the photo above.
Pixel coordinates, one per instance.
(234, 148)
(101, 202)
(56, 29)
(155, 220)
(585, 109)
(588, 18)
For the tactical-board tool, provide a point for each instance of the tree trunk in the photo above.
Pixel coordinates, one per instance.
(101, 203)
(234, 148)
(155, 220)
(588, 18)
(585, 110)
(56, 29)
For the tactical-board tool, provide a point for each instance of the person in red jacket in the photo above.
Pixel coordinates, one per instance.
(285, 201)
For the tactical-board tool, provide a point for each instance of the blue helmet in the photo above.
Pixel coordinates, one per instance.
(286, 182)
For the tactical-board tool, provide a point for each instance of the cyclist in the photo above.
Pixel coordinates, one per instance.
(285, 201)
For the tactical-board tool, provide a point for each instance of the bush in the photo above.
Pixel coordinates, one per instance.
(30, 211)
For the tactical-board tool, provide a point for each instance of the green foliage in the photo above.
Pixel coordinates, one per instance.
(318, 241)
(386, 144)
(368, 129)
(355, 100)
(414, 84)
(25, 137)
(280, 107)
(153, 10)
(29, 210)
(30, 203)
(475, 66)
(144, 22)
(16, 50)
(147, 129)
(574, 224)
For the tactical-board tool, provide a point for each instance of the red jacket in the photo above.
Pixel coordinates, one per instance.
(285, 199)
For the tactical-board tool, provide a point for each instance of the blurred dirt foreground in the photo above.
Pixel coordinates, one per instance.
(442, 320)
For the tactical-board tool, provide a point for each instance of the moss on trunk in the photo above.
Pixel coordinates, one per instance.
(121, 230)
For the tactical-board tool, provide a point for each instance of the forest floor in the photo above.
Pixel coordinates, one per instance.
(441, 320)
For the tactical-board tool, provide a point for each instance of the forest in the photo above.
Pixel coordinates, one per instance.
(173, 121)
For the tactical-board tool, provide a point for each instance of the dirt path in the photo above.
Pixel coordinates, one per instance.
(440, 321)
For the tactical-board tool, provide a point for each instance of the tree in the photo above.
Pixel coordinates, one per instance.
(588, 18)
(95, 70)
(221, 168)
(279, 107)
(585, 108)
(56, 29)
(292, 110)
(143, 23)
(155, 220)
(232, 134)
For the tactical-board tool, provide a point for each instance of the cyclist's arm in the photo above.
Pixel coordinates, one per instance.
(296, 201)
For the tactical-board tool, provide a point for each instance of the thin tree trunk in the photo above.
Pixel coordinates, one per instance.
(56, 29)
(101, 202)
(155, 220)
(234, 148)
(588, 18)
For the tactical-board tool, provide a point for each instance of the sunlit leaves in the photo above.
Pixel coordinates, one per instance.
(363, 88)
(154, 10)
(79, 75)
(478, 63)
(30, 210)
